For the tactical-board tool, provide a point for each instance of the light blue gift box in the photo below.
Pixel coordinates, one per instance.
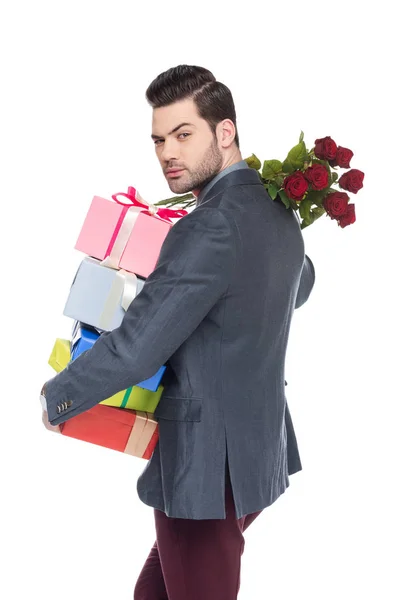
(83, 339)
(100, 295)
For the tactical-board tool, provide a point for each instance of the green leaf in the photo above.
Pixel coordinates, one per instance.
(334, 176)
(316, 196)
(305, 208)
(318, 212)
(296, 157)
(253, 162)
(304, 225)
(301, 137)
(286, 201)
(272, 190)
(315, 214)
(287, 167)
(279, 180)
(271, 169)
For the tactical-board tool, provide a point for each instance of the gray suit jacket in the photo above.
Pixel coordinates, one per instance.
(217, 310)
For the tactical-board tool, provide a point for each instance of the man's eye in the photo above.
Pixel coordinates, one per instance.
(156, 142)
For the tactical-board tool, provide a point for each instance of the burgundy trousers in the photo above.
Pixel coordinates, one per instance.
(195, 559)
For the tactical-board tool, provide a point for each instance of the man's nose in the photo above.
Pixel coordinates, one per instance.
(169, 151)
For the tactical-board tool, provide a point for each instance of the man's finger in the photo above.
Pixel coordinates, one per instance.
(47, 424)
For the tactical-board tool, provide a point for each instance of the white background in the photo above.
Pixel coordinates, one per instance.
(75, 123)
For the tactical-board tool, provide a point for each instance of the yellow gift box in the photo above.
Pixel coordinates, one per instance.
(135, 398)
(60, 355)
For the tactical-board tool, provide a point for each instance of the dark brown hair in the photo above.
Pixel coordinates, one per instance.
(212, 98)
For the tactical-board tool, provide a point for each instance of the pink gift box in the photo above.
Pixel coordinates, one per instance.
(143, 247)
(122, 235)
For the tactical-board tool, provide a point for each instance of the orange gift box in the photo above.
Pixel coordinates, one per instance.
(129, 431)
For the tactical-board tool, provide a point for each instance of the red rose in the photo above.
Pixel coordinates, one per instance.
(318, 176)
(295, 185)
(342, 159)
(349, 216)
(325, 148)
(336, 204)
(352, 180)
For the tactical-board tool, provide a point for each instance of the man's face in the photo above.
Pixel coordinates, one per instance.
(192, 148)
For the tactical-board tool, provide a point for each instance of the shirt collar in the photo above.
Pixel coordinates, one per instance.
(242, 164)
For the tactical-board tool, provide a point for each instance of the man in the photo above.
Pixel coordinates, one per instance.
(217, 309)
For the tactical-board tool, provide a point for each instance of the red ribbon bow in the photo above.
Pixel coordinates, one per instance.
(163, 213)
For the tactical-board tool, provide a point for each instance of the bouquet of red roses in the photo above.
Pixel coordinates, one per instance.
(305, 181)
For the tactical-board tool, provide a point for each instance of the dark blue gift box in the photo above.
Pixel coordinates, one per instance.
(83, 338)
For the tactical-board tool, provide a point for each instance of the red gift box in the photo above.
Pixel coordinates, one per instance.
(129, 431)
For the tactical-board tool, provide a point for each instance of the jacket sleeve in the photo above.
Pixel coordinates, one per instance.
(307, 281)
(193, 272)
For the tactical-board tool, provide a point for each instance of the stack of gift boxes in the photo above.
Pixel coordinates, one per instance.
(122, 241)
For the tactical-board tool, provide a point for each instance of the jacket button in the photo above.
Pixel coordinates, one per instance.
(64, 405)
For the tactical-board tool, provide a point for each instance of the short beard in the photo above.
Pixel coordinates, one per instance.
(209, 166)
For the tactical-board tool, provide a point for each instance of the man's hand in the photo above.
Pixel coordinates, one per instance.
(46, 423)
(45, 417)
